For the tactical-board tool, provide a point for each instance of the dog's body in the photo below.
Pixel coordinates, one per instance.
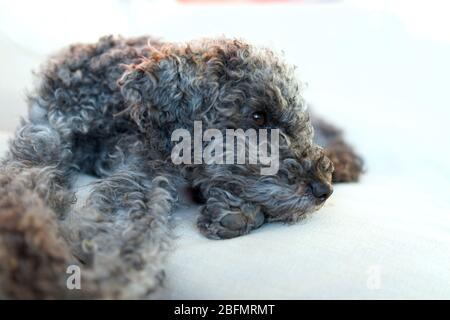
(109, 109)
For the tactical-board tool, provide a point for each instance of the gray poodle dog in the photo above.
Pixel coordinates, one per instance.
(108, 109)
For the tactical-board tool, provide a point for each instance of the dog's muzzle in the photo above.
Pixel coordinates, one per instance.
(320, 190)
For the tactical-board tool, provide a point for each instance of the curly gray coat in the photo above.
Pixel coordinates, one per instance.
(108, 109)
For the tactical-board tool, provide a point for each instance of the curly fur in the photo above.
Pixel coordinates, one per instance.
(108, 109)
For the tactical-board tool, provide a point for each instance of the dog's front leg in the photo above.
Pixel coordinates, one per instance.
(226, 216)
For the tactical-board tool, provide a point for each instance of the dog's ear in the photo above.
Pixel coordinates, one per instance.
(150, 87)
(168, 77)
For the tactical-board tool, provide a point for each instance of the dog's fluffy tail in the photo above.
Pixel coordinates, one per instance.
(33, 256)
(40, 250)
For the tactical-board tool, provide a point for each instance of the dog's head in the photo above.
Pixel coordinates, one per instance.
(228, 84)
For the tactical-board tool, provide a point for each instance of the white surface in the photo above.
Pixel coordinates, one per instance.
(380, 71)
(379, 239)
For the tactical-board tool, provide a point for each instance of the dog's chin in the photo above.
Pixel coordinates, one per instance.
(294, 210)
(283, 202)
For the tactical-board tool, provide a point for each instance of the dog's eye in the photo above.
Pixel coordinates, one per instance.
(259, 118)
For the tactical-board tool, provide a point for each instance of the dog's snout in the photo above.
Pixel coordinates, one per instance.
(321, 190)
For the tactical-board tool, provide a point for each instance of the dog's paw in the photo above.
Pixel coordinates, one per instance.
(216, 222)
(348, 166)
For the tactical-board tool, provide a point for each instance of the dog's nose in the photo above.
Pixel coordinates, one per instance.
(321, 190)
